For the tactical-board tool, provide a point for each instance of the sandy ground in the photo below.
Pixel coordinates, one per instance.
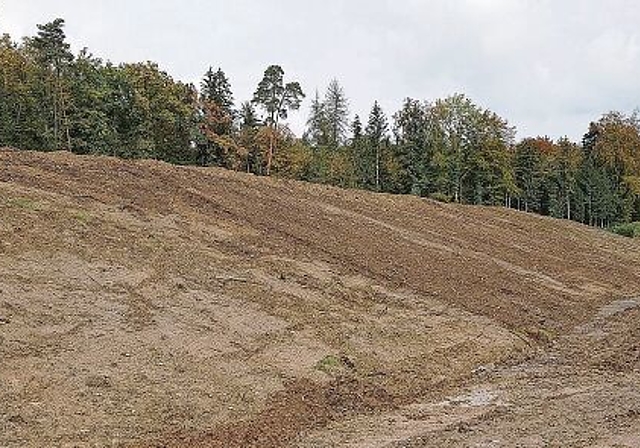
(146, 305)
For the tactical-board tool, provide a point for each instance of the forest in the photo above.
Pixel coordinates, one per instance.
(448, 149)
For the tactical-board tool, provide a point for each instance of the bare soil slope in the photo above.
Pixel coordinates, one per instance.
(143, 304)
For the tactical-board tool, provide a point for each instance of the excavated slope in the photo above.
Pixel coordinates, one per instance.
(144, 304)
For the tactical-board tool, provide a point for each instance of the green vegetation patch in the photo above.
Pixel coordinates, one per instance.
(329, 364)
(24, 203)
(82, 216)
(630, 230)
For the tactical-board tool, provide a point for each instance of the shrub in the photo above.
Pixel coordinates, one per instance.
(630, 230)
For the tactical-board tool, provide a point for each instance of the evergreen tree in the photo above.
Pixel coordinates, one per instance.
(249, 124)
(376, 139)
(215, 87)
(413, 149)
(567, 166)
(528, 167)
(248, 116)
(450, 149)
(316, 133)
(51, 47)
(357, 152)
(53, 54)
(276, 98)
(336, 114)
(356, 130)
(217, 143)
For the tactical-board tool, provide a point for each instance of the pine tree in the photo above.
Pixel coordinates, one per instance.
(217, 121)
(568, 163)
(376, 137)
(52, 49)
(215, 87)
(249, 124)
(356, 129)
(248, 116)
(53, 54)
(528, 167)
(276, 98)
(357, 148)
(316, 133)
(410, 129)
(336, 113)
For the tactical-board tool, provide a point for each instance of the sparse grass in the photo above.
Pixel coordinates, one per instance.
(24, 203)
(82, 216)
(630, 230)
(540, 335)
(329, 364)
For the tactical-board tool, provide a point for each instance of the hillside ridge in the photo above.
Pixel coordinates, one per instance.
(147, 304)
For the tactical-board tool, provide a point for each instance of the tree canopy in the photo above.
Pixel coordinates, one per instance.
(449, 149)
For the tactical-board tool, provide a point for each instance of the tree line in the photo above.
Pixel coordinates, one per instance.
(449, 149)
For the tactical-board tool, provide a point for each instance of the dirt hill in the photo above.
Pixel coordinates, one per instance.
(143, 304)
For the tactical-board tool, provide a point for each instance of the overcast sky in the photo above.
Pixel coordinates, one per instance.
(548, 66)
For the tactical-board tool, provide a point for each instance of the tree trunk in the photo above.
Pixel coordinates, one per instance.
(270, 153)
(378, 168)
(55, 118)
(65, 121)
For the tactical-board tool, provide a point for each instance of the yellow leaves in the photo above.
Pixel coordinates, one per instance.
(633, 184)
(618, 143)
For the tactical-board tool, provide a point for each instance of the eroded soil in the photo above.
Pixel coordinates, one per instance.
(144, 305)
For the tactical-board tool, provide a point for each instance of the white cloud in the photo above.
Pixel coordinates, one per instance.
(548, 66)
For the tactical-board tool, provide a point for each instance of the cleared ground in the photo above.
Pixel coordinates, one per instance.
(143, 304)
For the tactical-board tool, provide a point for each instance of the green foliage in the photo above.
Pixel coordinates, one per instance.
(372, 152)
(317, 133)
(329, 364)
(93, 130)
(275, 97)
(51, 54)
(472, 149)
(215, 87)
(294, 160)
(24, 118)
(217, 143)
(630, 230)
(247, 138)
(24, 203)
(414, 146)
(156, 114)
(336, 111)
(530, 172)
(50, 45)
(449, 149)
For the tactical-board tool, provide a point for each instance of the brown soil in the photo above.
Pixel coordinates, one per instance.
(147, 305)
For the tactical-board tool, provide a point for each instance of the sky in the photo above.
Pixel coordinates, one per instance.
(549, 67)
